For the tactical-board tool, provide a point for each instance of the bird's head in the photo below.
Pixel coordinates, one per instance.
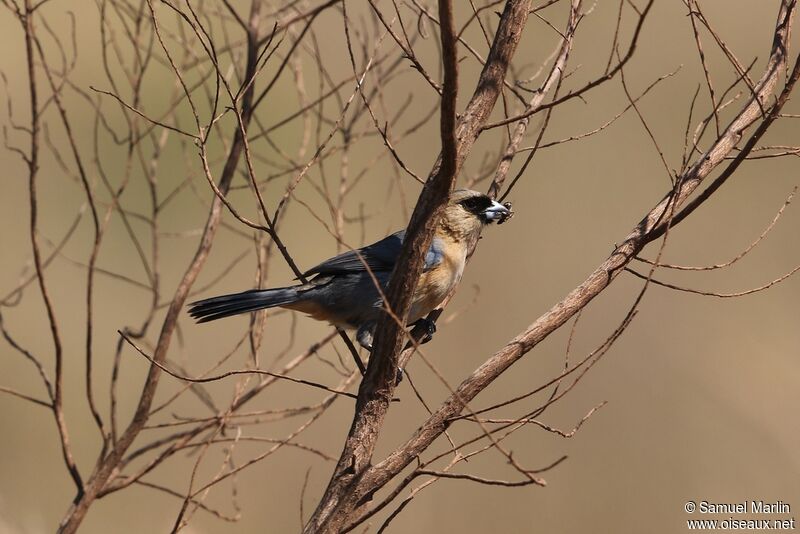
(476, 204)
(468, 211)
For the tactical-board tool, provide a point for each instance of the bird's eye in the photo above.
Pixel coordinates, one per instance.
(476, 205)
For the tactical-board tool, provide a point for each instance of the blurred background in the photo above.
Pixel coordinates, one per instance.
(701, 391)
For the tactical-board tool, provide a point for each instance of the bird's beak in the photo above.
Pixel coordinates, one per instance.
(496, 212)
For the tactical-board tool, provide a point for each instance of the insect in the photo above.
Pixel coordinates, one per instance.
(503, 218)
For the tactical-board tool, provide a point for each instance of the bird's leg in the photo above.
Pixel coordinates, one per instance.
(353, 351)
(428, 325)
(429, 328)
(364, 335)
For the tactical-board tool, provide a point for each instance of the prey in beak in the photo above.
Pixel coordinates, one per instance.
(497, 212)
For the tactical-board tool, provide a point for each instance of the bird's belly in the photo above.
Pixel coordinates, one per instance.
(432, 289)
(345, 301)
(315, 310)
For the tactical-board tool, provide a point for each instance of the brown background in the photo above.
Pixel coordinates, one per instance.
(702, 392)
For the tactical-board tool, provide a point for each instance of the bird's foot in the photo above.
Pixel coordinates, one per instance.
(364, 335)
(430, 329)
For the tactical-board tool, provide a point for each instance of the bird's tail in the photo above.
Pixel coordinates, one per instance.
(248, 301)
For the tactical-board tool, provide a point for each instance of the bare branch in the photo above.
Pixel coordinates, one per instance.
(215, 378)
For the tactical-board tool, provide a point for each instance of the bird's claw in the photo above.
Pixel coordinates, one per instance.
(430, 329)
(364, 335)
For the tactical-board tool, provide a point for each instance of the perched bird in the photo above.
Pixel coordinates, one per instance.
(342, 290)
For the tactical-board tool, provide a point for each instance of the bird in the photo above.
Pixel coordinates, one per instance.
(342, 290)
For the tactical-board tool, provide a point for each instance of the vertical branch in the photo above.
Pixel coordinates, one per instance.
(553, 79)
(450, 89)
(97, 238)
(389, 333)
(33, 168)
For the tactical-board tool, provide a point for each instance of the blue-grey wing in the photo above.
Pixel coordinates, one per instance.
(379, 256)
